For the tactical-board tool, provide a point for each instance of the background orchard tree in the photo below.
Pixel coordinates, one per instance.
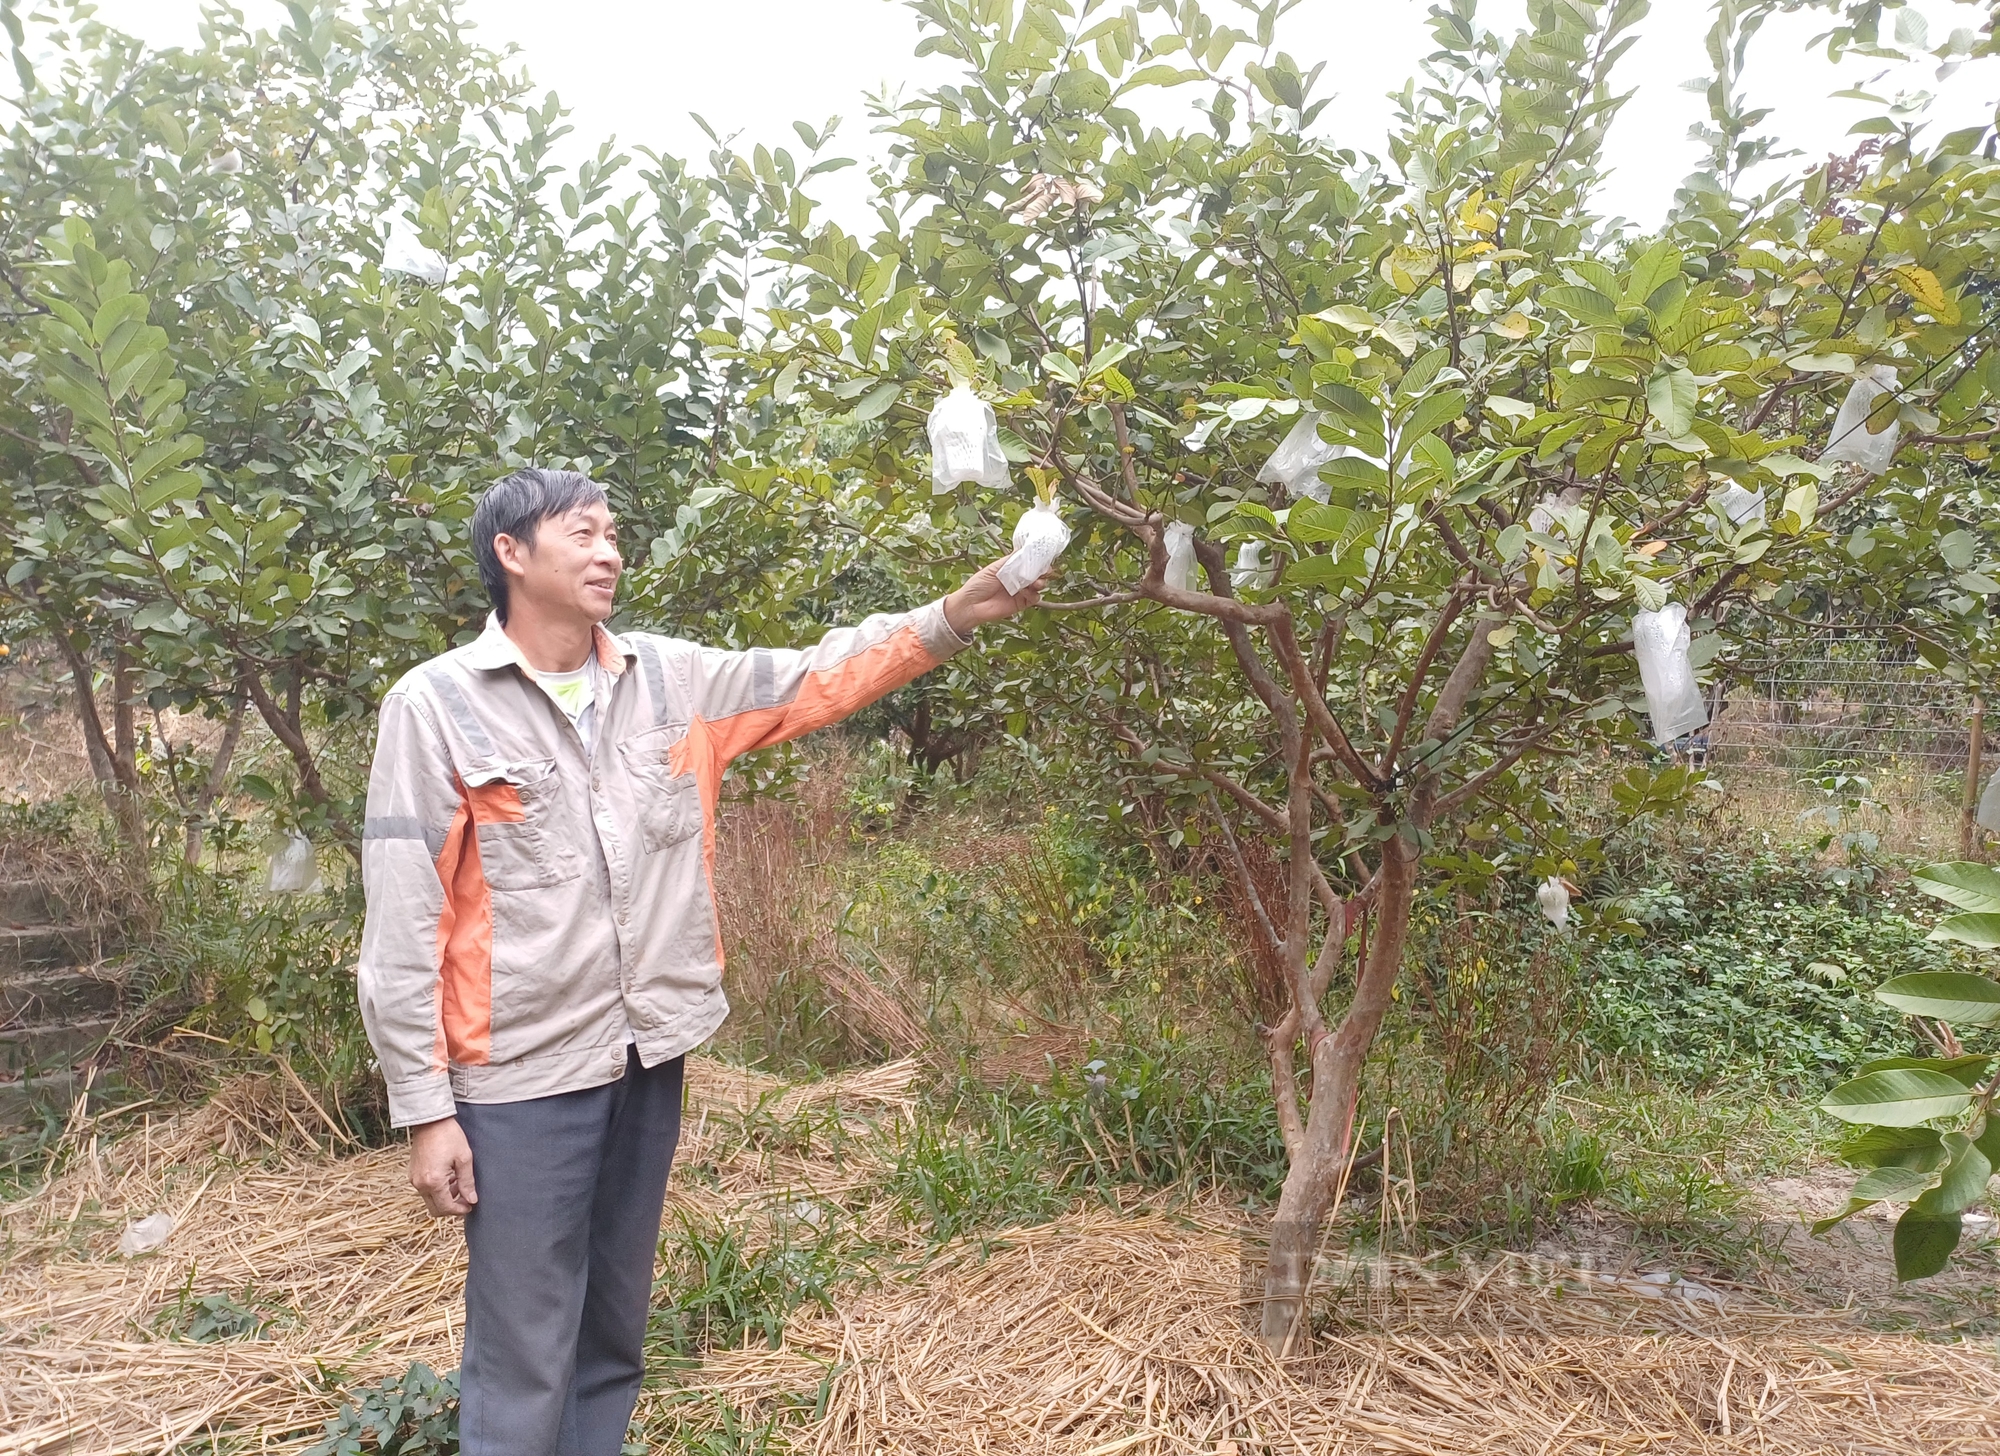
(1533, 421)
(275, 308)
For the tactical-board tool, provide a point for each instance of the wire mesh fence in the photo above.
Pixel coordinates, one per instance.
(1818, 700)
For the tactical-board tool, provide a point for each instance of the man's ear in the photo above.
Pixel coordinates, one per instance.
(512, 554)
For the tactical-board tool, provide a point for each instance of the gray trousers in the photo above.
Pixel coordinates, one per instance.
(560, 1274)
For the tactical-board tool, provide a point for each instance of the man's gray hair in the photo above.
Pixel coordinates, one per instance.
(516, 505)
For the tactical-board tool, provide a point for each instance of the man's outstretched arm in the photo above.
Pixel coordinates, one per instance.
(751, 700)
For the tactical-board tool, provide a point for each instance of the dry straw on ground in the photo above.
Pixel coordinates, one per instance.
(1095, 1335)
(1098, 1335)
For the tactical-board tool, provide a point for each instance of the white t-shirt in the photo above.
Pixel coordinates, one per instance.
(576, 693)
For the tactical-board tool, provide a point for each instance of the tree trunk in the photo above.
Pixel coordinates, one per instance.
(113, 760)
(285, 725)
(218, 778)
(1337, 1061)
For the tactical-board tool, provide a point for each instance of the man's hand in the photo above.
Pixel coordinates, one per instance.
(441, 1168)
(982, 599)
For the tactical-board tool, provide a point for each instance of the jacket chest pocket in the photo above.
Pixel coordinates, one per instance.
(668, 804)
(513, 806)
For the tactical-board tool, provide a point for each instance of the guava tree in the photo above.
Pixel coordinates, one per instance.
(1538, 428)
(273, 309)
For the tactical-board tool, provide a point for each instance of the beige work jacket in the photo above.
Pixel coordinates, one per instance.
(529, 904)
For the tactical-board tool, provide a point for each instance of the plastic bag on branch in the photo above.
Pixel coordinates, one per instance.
(1673, 698)
(403, 253)
(292, 868)
(1039, 538)
(1251, 572)
(965, 442)
(1553, 897)
(1295, 463)
(1741, 507)
(1987, 815)
(1180, 556)
(1548, 511)
(1851, 441)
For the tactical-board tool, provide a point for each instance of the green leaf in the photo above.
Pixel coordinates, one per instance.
(1363, 472)
(1967, 1071)
(1962, 1182)
(1314, 571)
(1062, 367)
(1923, 1243)
(867, 324)
(1962, 883)
(1955, 996)
(786, 382)
(1908, 1147)
(1988, 1141)
(1801, 508)
(1586, 304)
(1436, 410)
(1891, 1183)
(1398, 334)
(1311, 523)
(1980, 930)
(1159, 75)
(1671, 395)
(1901, 1098)
(1657, 265)
(1106, 357)
(877, 400)
(1894, 1183)
(1511, 541)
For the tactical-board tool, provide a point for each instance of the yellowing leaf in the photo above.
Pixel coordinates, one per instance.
(1924, 289)
(1515, 325)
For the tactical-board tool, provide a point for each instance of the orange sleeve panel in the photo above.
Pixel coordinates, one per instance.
(825, 696)
(465, 929)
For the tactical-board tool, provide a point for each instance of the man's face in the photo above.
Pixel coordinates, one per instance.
(572, 572)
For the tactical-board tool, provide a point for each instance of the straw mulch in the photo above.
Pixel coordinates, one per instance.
(1099, 1335)
(362, 1280)
(1094, 1335)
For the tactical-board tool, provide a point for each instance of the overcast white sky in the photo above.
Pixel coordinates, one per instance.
(637, 69)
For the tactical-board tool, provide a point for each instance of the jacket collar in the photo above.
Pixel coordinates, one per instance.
(494, 649)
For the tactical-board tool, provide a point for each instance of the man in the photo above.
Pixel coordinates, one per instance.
(541, 947)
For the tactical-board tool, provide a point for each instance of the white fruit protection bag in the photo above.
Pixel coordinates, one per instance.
(1673, 698)
(1987, 815)
(1039, 538)
(1295, 463)
(404, 254)
(1251, 573)
(291, 868)
(1742, 507)
(1180, 556)
(1850, 441)
(965, 442)
(1553, 896)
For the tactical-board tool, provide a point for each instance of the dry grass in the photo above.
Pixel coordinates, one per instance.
(781, 905)
(362, 1280)
(1100, 1333)
(1914, 815)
